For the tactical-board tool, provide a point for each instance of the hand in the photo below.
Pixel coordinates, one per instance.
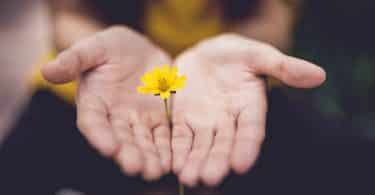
(219, 118)
(115, 119)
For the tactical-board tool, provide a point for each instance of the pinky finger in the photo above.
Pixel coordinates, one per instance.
(249, 138)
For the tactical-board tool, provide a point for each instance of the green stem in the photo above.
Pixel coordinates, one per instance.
(167, 112)
(181, 190)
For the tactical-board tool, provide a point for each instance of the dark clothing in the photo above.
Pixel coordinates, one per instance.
(46, 153)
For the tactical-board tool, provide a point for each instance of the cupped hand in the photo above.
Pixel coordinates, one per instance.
(119, 122)
(219, 118)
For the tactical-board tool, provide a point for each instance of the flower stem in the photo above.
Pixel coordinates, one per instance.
(181, 190)
(167, 112)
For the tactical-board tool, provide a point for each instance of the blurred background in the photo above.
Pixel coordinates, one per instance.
(339, 36)
(319, 140)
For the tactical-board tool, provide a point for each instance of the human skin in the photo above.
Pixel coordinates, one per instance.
(129, 127)
(218, 120)
(24, 38)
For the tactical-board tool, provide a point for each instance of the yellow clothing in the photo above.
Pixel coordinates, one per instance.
(65, 91)
(178, 24)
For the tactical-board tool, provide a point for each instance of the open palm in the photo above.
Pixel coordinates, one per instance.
(219, 119)
(118, 121)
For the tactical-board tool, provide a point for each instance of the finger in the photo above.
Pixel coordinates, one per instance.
(162, 137)
(291, 71)
(84, 55)
(93, 123)
(182, 140)
(201, 146)
(152, 169)
(217, 165)
(250, 134)
(129, 157)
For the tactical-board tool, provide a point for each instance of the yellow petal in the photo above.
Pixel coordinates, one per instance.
(147, 90)
(179, 83)
(165, 69)
(150, 80)
(156, 72)
(143, 90)
(174, 70)
(146, 78)
(172, 75)
(165, 95)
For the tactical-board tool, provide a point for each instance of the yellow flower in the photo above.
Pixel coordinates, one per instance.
(162, 81)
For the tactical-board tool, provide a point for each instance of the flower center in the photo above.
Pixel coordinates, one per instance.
(163, 84)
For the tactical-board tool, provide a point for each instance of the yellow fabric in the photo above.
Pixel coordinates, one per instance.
(65, 91)
(178, 24)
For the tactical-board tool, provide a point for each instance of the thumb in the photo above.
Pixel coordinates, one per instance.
(68, 65)
(264, 59)
(292, 71)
